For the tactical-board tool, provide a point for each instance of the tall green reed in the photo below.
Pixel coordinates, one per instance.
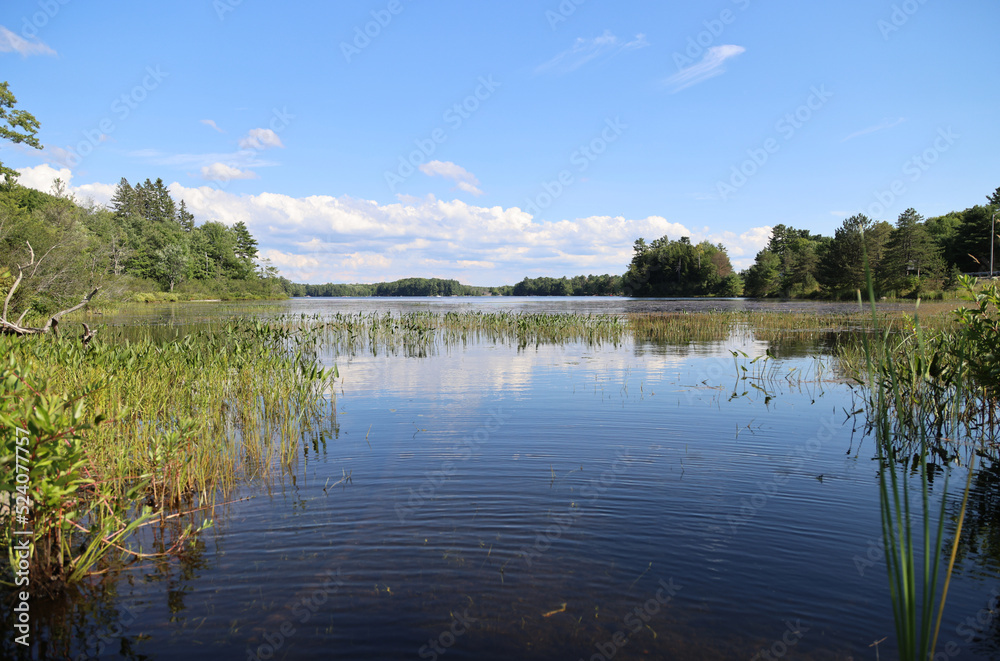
(918, 397)
(131, 431)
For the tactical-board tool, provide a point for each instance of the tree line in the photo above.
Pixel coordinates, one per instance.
(907, 259)
(144, 241)
(404, 287)
(913, 257)
(146, 237)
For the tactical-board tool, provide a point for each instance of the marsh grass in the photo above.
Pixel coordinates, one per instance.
(131, 431)
(924, 406)
(152, 422)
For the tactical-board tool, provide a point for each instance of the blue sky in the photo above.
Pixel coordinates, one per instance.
(366, 141)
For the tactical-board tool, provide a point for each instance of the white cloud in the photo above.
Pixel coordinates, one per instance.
(710, 66)
(211, 122)
(743, 247)
(223, 172)
(584, 50)
(463, 179)
(41, 177)
(260, 139)
(13, 43)
(322, 238)
(885, 124)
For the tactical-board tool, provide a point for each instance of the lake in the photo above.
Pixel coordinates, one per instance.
(489, 499)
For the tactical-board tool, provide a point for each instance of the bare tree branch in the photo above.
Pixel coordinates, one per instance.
(17, 282)
(15, 328)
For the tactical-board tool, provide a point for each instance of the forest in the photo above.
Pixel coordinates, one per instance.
(914, 257)
(146, 246)
(404, 287)
(143, 246)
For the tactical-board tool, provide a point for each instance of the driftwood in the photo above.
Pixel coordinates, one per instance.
(15, 327)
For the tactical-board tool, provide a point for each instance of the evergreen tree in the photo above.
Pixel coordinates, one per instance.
(678, 268)
(911, 254)
(943, 231)
(763, 278)
(185, 218)
(787, 266)
(21, 127)
(245, 247)
(842, 269)
(974, 238)
(123, 201)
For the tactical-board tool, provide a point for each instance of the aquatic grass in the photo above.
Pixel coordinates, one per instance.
(192, 411)
(918, 398)
(180, 424)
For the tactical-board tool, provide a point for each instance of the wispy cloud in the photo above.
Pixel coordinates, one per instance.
(260, 139)
(711, 65)
(585, 50)
(211, 122)
(886, 124)
(245, 158)
(463, 179)
(223, 172)
(13, 43)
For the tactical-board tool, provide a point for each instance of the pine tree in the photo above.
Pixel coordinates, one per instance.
(123, 201)
(246, 246)
(842, 268)
(910, 254)
(21, 127)
(185, 218)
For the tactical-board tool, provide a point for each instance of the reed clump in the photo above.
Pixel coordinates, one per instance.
(931, 396)
(123, 432)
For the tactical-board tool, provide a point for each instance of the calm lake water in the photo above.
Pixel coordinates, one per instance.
(564, 501)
